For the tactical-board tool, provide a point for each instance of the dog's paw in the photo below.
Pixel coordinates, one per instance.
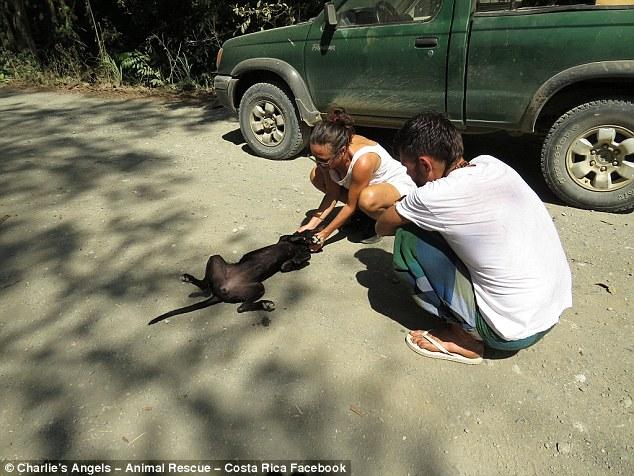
(288, 266)
(268, 306)
(187, 278)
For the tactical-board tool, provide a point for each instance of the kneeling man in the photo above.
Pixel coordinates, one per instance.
(477, 245)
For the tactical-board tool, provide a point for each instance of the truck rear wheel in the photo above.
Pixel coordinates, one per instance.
(588, 156)
(270, 124)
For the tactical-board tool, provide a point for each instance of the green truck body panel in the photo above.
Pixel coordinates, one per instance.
(484, 72)
(286, 44)
(456, 61)
(511, 56)
(376, 71)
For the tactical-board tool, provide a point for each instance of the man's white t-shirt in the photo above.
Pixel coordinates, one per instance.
(503, 233)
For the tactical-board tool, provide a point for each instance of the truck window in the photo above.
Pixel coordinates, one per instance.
(379, 12)
(498, 5)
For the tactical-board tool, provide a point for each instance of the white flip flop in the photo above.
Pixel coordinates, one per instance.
(442, 353)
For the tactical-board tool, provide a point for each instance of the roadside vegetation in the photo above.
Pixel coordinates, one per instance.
(166, 44)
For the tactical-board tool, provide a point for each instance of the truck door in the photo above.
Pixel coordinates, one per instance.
(386, 58)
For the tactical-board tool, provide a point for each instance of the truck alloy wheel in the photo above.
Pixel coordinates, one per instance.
(588, 156)
(267, 123)
(270, 124)
(596, 160)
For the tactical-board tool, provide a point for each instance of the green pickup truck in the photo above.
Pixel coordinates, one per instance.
(561, 69)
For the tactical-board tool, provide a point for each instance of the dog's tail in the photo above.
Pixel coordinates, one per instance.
(199, 305)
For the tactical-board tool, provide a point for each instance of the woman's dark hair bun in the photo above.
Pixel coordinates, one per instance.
(337, 130)
(339, 117)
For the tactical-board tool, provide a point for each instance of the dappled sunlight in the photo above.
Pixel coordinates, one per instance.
(105, 203)
(98, 226)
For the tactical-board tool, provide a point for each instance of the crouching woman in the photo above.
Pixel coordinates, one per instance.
(354, 170)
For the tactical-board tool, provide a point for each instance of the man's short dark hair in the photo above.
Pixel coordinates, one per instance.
(432, 134)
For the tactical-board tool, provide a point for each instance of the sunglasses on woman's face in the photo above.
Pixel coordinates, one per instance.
(321, 163)
(324, 163)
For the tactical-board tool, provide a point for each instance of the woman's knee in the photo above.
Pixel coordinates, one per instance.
(373, 199)
(368, 200)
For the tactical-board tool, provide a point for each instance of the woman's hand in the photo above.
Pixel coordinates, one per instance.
(318, 240)
(323, 234)
(313, 223)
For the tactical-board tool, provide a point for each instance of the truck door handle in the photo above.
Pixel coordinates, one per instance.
(426, 42)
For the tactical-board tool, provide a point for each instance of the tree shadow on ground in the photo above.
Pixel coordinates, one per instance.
(95, 210)
(387, 294)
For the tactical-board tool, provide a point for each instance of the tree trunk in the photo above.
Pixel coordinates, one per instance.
(52, 13)
(19, 31)
(7, 40)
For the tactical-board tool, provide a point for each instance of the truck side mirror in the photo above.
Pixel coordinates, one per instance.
(330, 14)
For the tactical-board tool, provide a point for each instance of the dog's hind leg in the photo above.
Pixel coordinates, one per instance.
(215, 266)
(249, 294)
(262, 305)
(188, 278)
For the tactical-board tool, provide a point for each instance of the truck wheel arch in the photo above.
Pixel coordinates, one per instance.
(598, 71)
(289, 75)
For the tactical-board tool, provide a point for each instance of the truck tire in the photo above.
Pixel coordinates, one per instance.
(270, 123)
(588, 156)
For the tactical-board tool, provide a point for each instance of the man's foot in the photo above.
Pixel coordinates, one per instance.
(449, 343)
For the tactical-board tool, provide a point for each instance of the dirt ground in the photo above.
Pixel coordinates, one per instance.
(105, 201)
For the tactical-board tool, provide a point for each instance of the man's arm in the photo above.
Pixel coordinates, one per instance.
(389, 221)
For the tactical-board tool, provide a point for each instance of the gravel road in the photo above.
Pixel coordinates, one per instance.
(105, 201)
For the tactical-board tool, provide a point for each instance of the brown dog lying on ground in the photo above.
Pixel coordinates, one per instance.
(242, 282)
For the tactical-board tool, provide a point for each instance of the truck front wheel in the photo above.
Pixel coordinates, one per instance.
(270, 124)
(588, 156)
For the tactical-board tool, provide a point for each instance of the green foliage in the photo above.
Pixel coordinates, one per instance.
(264, 15)
(109, 69)
(179, 69)
(22, 66)
(67, 63)
(150, 42)
(136, 68)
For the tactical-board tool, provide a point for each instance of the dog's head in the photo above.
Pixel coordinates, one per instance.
(303, 238)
